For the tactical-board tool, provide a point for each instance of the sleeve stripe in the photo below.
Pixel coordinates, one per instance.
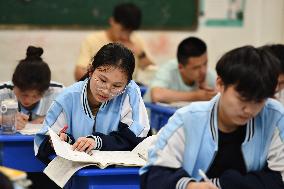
(182, 183)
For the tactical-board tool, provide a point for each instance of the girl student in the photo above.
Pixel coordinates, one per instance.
(32, 87)
(103, 112)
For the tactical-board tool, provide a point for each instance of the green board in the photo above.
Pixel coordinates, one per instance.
(157, 14)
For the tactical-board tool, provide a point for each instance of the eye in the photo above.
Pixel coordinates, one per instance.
(116, 86)
(103, 80)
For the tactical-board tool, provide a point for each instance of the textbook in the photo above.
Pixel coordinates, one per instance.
(102, 159)
(67, 162)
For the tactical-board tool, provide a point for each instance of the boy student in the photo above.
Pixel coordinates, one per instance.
(236, 138)
(126, 18)
(32, 88)
(185, 78)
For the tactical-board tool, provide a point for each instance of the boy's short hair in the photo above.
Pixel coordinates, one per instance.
(128, 15)
(190, 47)
(254, 72)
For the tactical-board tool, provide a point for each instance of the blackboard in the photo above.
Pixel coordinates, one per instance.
(157, 14)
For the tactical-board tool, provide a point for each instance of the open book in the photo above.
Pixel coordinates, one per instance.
(67, 162)
(136, 157)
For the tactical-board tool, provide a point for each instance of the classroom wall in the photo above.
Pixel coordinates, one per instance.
(263, 23)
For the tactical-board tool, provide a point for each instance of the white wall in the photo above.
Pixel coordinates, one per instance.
(263, 23)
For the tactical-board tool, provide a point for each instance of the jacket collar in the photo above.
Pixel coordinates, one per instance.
(214, 122)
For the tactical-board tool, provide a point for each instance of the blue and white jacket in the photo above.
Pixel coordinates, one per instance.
(126, 113)
(189, 142)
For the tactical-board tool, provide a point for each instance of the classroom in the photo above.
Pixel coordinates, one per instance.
(189, 90)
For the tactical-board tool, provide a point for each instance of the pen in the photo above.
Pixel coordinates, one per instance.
(64, 129)
(203, 175)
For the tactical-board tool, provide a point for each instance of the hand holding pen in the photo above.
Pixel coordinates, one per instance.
(21, 120)
(62, 133)
(207, 184)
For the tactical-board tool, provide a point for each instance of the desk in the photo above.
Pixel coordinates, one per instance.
(109, 178)
(17, 151)
(143, 90)
(159, 115)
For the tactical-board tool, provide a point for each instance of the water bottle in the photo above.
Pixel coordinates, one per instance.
(9, 109)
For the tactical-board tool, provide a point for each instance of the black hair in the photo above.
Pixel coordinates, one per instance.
(254, 72)
(32, 73)
(114, 55)
(128, 15)
(5, 182)
(278, 51)
(190, 47)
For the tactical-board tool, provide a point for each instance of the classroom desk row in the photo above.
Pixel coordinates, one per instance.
(159, 115)
(16, 151)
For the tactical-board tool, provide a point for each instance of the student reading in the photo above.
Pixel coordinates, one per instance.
(236, 138)
(32, 87)
(103, 112)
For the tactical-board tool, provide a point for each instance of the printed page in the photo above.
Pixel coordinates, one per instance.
(63, 149)
(101, 158)
(61, 170)
(125, 158)
(31, 129)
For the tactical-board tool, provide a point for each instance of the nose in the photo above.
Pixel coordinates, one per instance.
(249, 109)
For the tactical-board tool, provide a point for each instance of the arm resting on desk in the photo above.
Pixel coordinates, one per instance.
(123, 139)
(165, 177)
(265, 179)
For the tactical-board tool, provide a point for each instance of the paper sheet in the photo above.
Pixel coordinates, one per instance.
(31, 129)
(61, 170)
(101, 158)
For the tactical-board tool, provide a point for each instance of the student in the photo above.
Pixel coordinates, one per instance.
(185, 78)
(125, 20)
(236, 138)
(103, 112)
(32, 88)
(278, 51)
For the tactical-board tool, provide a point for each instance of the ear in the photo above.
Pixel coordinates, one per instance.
(219, 84)
(180, 67)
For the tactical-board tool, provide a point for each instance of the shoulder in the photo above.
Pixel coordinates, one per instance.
(136, 38)
(73, 91)
(132, 89)
(272, 105)
(168, 67)
(96, 36)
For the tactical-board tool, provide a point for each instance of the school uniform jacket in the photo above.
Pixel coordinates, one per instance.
(189, 142)
(118, 125)
(6, 91)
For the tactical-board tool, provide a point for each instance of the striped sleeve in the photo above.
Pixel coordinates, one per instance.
(54, 119)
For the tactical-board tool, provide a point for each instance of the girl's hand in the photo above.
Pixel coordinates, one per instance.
(201, 185)
(84, 144)
(21, 120)
(63, 137)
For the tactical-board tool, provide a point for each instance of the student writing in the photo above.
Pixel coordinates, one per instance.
(103, 112)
